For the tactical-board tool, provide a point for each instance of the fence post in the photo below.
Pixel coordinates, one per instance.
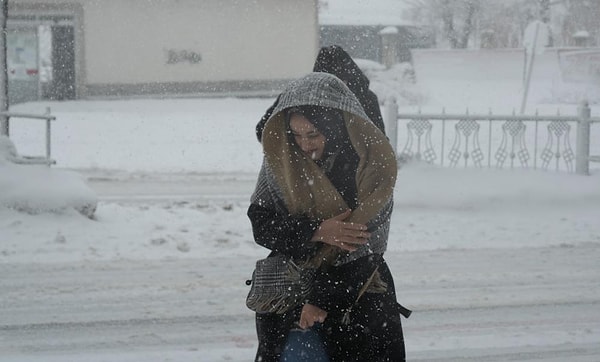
(389, 46)
(391, 121)
(48, 136)
(582, 153)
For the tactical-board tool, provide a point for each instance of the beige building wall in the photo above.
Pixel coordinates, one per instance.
(187, 45)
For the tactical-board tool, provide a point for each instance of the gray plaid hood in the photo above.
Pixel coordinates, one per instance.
(319, 89)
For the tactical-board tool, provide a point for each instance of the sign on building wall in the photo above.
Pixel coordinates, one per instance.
(22, 54)
(22, 63)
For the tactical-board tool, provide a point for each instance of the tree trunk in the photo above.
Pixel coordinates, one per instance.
(545, 11)
(448, 21)
(468, 28)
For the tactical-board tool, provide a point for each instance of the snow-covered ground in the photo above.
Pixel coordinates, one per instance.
(496, 264)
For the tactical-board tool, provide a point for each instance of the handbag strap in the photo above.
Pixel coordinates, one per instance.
(363, 289)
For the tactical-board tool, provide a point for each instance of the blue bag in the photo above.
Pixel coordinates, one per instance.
(304, 345)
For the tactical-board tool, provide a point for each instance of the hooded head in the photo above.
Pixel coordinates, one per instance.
(318, 89)
(325, 101)
(334, 60)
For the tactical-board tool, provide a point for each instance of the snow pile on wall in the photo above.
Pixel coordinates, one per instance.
(38, 189)
(457, 75)
(398, 81)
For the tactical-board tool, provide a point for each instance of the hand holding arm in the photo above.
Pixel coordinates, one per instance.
(345, 235)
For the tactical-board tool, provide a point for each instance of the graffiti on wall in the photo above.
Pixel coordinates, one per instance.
(175, 56)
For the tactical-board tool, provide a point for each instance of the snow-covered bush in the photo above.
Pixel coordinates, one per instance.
(7, 149)
(37, 189)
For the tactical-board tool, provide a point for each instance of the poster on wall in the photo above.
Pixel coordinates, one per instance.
(22, 62)
(22, 55)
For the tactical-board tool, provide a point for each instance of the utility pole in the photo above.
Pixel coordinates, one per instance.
(4, 127)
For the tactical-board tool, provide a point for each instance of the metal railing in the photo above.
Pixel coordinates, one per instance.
(493, 140)
(35, 160)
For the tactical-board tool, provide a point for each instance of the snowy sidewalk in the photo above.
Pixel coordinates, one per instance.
(482, 305)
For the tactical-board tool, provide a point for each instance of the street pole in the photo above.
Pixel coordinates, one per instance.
(531, 52)
(4, 126)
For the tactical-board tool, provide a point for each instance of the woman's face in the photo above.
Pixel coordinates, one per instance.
(308, 138)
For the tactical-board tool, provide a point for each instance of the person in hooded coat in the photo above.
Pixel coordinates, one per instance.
(324, 198)
(335, 60)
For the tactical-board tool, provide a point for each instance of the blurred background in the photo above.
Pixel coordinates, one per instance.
(111, 48)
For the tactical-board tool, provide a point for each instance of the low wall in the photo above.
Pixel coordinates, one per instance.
(496, 77)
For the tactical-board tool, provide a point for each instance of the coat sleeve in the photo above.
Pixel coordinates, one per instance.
(336, 288)
(283, 233)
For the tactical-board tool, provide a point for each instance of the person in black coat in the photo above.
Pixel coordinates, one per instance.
(337, 212)
(335, 60)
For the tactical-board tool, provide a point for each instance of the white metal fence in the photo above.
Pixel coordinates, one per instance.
(488, 140)
(33, 160)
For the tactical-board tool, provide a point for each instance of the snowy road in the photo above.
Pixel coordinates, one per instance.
(117, 186)
(531, 304)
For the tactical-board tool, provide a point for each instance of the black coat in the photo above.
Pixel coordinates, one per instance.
(334, 60)
(375, 331)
